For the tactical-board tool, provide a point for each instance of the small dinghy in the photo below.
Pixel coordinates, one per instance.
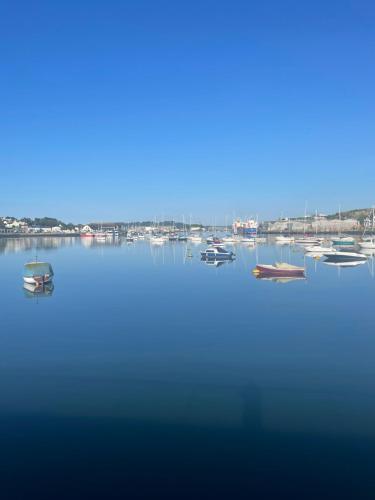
(280, 269)
(37, 273)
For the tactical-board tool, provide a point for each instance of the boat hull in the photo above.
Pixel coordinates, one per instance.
(345, 257)
(343, 243)
(37, 280)
(273, 271)
(216, 257)
(367, 244)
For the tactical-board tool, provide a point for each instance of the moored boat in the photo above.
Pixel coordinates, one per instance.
(281, 269)
(229, 239)
(217, 253)
(307, 240)
(320, 249)
(345, 256)
(284, 240)
(367, 243)
(344, 263)
(343, 241)
(158, 240)
(37, 273)
(195, 238)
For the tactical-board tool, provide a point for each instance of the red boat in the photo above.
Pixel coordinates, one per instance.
(87, 235)
(280, 269)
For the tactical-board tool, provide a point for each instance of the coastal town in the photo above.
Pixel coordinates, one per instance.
(354, 221)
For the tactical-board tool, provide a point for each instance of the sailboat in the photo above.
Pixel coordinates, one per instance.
(284, 240)
(369, 241)
(342, 240)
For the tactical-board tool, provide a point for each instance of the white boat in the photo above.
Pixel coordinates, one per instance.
(319, 249)
(345, 256)
(216, 253)
(195, 238)
(349, 263)
(284, 240)
(250, 242)
(370, 252)
(307, 240)
(229, 239)
(37, 273)
(368, 243)
(158, 240)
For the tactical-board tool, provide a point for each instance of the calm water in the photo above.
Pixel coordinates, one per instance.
(146, 374)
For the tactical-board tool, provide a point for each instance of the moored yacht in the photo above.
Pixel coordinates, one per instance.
(309, 240)
(368, 243)
(320, 249)
(345, 256)
(217, 253)
(284, 240)
(229, 239)
(195, 238)
(341, 241)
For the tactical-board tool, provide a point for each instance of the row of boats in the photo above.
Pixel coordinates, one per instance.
(340, 241)
(39, 274)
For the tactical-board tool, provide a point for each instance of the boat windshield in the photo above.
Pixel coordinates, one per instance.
(37, 269)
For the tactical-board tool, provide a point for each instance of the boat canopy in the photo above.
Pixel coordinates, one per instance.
(37, 269)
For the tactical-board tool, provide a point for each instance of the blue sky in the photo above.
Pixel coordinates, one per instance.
(123, 110)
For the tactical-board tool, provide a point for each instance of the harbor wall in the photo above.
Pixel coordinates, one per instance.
(313, 226)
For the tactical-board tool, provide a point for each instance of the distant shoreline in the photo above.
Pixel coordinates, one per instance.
(262, 233)
(38, 235)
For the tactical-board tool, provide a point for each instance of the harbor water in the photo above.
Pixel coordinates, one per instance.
(143, 372)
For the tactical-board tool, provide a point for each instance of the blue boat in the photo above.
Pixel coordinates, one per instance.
(216, 253)
(343, 241)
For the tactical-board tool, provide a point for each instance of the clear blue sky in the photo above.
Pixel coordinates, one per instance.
(134, 110)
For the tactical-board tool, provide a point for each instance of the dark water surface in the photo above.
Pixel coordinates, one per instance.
(146, 374)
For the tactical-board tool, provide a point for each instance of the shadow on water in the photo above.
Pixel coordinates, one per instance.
(92, 457)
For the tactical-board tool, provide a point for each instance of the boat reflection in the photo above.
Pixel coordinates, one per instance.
(348, 263)
(278, 279)
(370, 252)
(215, 263)
(32, 291)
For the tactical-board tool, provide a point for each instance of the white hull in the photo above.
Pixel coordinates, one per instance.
(320, 250)
(346, 256)
(32, 281)
(284, 240)
(367, 244)
(308, 241)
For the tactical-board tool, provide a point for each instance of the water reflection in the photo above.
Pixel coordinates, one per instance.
(340, 263)
(36, 291)
(12, 245)
(149, 337)
(280, 279)
(216, 263)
